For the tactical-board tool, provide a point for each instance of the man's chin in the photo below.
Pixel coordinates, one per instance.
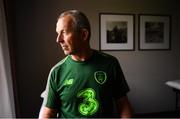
(67, 52)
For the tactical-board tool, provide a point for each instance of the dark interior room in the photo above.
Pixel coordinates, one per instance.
(28, 51)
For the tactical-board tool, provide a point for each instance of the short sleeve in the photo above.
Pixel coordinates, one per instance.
(120, 86)
(50, 94)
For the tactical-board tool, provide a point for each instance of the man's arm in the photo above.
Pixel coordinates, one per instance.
(46, 112)
(124, 107)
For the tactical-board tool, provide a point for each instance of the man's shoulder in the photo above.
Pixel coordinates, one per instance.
(59, 64)
(106, 55)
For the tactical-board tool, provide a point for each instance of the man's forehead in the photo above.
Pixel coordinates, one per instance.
(63, 22)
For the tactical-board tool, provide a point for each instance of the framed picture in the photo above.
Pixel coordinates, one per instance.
(116, 31)
(154, 32)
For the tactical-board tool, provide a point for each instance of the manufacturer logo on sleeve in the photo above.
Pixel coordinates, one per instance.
(100, 77)
(68, 82)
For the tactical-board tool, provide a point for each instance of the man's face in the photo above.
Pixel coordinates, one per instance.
(67, 37)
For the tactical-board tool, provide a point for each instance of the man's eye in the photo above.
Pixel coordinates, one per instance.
(63, 31)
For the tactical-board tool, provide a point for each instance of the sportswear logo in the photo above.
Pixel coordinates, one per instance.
(68, 82)
(100, 77)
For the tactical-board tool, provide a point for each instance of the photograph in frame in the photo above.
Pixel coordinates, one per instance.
(116, 31)
(154, 32)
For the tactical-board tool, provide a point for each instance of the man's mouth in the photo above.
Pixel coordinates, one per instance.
(64, 47)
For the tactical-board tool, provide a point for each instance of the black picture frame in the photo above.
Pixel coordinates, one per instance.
(154, 32)
(116, 32)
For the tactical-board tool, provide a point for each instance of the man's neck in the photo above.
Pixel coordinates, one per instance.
(83, 56)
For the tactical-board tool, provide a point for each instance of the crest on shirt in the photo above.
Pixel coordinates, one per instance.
(100, 77)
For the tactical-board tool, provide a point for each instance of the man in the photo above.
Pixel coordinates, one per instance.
(86, 82)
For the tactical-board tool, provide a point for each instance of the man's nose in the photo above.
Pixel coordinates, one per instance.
(59, 38)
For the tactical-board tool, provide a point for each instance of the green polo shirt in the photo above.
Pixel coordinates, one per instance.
(85, 89)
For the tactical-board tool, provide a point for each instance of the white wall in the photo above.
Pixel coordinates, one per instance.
(145, 71)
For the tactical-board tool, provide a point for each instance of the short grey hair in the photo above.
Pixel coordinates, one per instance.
(80, 20)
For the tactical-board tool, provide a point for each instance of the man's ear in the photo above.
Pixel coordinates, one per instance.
(84, 34)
